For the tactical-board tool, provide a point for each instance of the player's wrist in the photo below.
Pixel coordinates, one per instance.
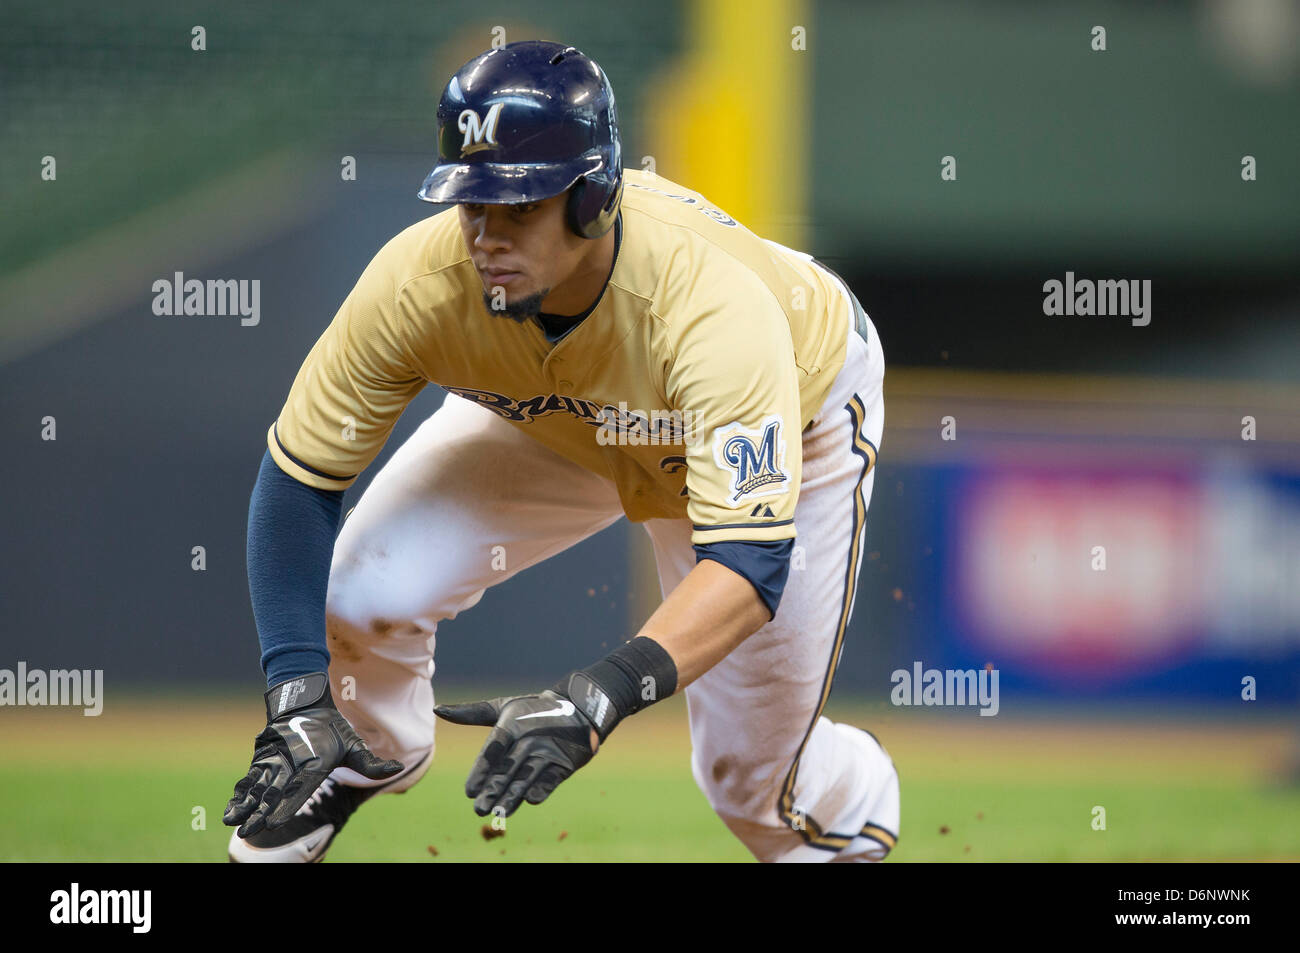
(294, 694)
(632, 677)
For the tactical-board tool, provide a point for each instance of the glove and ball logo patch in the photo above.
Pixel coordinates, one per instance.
(755, 458)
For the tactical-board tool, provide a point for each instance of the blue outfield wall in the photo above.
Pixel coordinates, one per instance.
(996, 563)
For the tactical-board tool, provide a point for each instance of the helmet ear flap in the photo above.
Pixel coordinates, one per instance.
(573, 209)
(585, 219)
(610, 210)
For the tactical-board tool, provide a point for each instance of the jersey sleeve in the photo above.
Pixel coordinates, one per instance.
(733, 371)
(350, 391)
(765, 565)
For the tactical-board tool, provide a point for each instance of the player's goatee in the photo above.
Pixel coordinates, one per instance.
(526, 307)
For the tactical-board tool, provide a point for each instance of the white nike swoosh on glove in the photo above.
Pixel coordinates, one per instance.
(566, 708)
(295, 724)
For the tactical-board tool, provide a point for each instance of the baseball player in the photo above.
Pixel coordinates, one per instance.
(611, 345)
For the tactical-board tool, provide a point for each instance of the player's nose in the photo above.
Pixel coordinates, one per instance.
(491, 229)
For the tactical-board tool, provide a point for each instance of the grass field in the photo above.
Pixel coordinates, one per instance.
(124, 786)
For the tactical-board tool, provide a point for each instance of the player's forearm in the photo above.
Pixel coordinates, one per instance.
(291, 530)
(705, 618)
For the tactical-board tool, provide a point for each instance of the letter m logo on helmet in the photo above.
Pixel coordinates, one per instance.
(527, 122)
(479, 133)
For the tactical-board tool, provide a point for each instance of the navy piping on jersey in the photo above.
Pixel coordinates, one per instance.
(742, 525)
(275, 429)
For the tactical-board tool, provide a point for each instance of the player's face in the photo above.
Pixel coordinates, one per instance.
(526, 256)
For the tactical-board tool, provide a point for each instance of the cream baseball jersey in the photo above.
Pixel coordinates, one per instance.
(688, 385)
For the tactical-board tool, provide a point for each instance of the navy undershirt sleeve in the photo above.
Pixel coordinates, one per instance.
(765, 564)
(291, 528)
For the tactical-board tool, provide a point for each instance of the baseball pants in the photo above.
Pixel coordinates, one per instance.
(419, 548)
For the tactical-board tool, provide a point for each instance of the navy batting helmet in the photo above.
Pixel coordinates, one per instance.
(524, 123)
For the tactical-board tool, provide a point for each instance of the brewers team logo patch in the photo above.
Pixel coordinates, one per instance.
(755, 457)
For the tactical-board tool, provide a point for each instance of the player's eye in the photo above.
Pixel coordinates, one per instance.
(525, 208)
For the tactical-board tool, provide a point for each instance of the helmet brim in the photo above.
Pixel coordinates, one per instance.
(495, 183)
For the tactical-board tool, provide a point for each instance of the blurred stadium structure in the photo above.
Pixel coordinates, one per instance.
(1072, 432)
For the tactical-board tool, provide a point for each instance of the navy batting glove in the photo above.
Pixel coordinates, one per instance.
(305, 738)
(539, 740)
(536, 742)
